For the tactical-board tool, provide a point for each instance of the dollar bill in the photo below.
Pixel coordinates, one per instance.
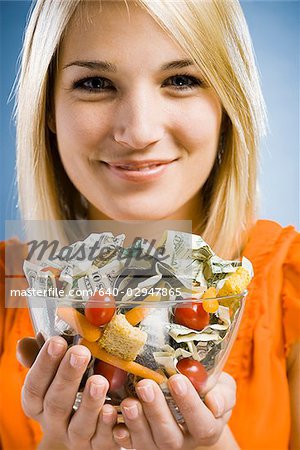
(38, 279)
(194, 262)
(101, 279)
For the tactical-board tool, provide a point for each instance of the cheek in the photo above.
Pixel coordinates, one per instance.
(80, 128)
(198, 125)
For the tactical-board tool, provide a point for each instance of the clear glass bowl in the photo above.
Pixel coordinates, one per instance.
(163, 350)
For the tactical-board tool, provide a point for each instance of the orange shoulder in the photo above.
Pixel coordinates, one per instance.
(291, 294)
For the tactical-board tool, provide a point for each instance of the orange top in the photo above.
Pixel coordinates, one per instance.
(261, 418)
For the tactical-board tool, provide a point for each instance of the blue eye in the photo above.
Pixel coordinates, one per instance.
(182, 82)
(93, 84)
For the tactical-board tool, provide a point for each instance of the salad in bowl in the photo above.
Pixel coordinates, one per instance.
(143, 311)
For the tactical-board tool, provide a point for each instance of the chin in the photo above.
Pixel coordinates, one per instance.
(138, 213)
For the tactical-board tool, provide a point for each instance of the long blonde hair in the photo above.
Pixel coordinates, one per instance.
(215, 35)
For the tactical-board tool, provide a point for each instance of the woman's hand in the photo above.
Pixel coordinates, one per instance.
(150, 424)
(49, 393)
(50, 389)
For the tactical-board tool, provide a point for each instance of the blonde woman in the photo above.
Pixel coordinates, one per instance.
(152, 110)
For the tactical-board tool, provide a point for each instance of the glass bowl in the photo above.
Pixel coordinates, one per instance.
(154, 338)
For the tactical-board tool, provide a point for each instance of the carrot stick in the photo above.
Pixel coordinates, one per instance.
(137, 314)
(128, 366)
(54, 270)
(80, 323)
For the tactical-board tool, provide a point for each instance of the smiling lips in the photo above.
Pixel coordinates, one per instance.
(138, 171)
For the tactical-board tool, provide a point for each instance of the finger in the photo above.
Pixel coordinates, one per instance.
(200, 421)
(41, 375)
(61, 394)
(103, 438)
(226, 417)
(27, 351)
(122, 436)
(40, 339)
(165, 430)
(222, 397)
(137, 424)
(84, 422)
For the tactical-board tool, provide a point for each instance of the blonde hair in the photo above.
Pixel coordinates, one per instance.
(214, 34)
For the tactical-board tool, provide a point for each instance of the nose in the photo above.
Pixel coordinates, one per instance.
(138, 121)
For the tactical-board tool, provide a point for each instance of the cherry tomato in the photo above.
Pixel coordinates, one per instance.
(194, 371)
(192, 316)
(115, 376)
(100, 309)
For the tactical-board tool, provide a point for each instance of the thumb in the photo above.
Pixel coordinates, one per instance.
(28, 349)
(222, 397)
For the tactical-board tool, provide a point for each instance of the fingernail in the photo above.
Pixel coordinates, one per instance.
(55, 348)
(77, 361)
(120, 434)
(146, 392)
(107, 414)
(131, 412)
(97, 390)
(179, 385)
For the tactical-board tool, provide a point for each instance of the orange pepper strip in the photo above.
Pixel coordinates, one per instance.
(210, 293)
(137, 314)
(128, 366)
(209, 302)
(79, 323)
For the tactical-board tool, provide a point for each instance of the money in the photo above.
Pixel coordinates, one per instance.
(109, 247)
(37, 279)
(168, 358)
(194, 262)
(100, 262)
(100, 279)
(179, 335)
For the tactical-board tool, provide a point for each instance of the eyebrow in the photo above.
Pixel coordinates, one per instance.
(178, 64)
(96, 65)
(106, 66)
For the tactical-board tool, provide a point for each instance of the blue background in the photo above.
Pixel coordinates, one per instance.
(274, 26)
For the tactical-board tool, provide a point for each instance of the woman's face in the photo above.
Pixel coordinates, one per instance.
(137, 129)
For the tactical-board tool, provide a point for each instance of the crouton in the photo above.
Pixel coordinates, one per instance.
(235, 283)
(121, 339)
